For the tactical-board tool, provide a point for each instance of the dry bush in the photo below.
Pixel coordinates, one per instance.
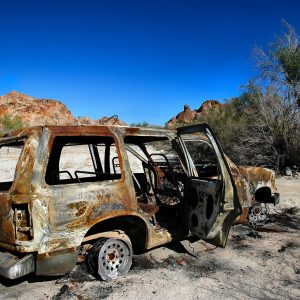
(9, 123)
(262, 126)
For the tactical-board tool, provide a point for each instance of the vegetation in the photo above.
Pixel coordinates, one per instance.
(262, 125)
(9, 123)
(144, 124)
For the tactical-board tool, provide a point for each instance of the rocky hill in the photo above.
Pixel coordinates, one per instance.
(34, 112)
(188, 115)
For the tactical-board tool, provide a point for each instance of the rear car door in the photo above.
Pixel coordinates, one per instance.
(210, 191)
(10, 214)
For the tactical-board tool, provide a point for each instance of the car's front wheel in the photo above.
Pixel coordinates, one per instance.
(110, 258)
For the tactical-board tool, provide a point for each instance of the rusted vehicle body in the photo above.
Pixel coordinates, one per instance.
(101, 193)
(256, 188)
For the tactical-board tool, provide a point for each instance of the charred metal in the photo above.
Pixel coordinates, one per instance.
(106, 192)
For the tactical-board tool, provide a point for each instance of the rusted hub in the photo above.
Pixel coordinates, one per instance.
(256, 210)
(258, 215)
(112, 256)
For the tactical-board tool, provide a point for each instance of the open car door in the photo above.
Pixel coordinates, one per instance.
(210, 191)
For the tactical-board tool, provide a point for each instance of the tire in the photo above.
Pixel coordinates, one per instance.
(110, 258)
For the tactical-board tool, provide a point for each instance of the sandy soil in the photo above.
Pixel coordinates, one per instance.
(262, 264)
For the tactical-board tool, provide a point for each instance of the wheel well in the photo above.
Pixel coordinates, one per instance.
(263, 194)
(133, 226)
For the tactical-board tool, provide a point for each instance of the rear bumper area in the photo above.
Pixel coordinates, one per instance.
(13, 267)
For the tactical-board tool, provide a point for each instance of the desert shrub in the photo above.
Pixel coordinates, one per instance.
(279, 69)
(256, 128)
(262, 126)
(9, 123)
(256, 142)
(144, 124)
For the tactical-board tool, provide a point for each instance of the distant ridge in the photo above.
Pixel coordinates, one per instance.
(35, 112)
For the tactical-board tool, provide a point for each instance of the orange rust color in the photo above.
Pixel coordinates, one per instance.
(243, 217)
(64, 214)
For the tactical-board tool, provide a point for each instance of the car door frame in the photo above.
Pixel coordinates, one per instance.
(229, 207)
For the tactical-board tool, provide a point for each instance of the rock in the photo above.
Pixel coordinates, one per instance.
(188, 116)
(288, 171)
(209, 104)
(33, 111)
(38, 112)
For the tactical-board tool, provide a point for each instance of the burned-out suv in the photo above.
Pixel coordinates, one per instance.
(98, 194)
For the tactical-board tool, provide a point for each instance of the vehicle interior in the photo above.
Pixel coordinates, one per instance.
(203, 155)
(157, 165)
(78, 159)
(159, 179)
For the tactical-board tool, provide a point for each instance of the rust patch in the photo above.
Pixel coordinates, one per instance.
(7, 233)
(80, 206)
(243, 217)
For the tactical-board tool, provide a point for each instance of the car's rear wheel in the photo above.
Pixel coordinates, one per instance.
(110, 258)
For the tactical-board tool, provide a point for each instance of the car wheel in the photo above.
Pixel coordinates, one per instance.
(110, 258)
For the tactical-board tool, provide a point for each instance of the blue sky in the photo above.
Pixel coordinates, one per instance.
(141, 60)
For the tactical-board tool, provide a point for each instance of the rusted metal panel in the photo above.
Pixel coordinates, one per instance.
(22, 183)
(259, 177)
(157, 237)
(57, 262)
(108, 234)
(61, 210)
(59, 216)
(7, 229)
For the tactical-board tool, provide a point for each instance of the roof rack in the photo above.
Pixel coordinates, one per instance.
(112, 117)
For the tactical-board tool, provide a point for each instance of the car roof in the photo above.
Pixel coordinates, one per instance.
(101, 129)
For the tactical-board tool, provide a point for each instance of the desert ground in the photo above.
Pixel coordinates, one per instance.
(256, 264)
